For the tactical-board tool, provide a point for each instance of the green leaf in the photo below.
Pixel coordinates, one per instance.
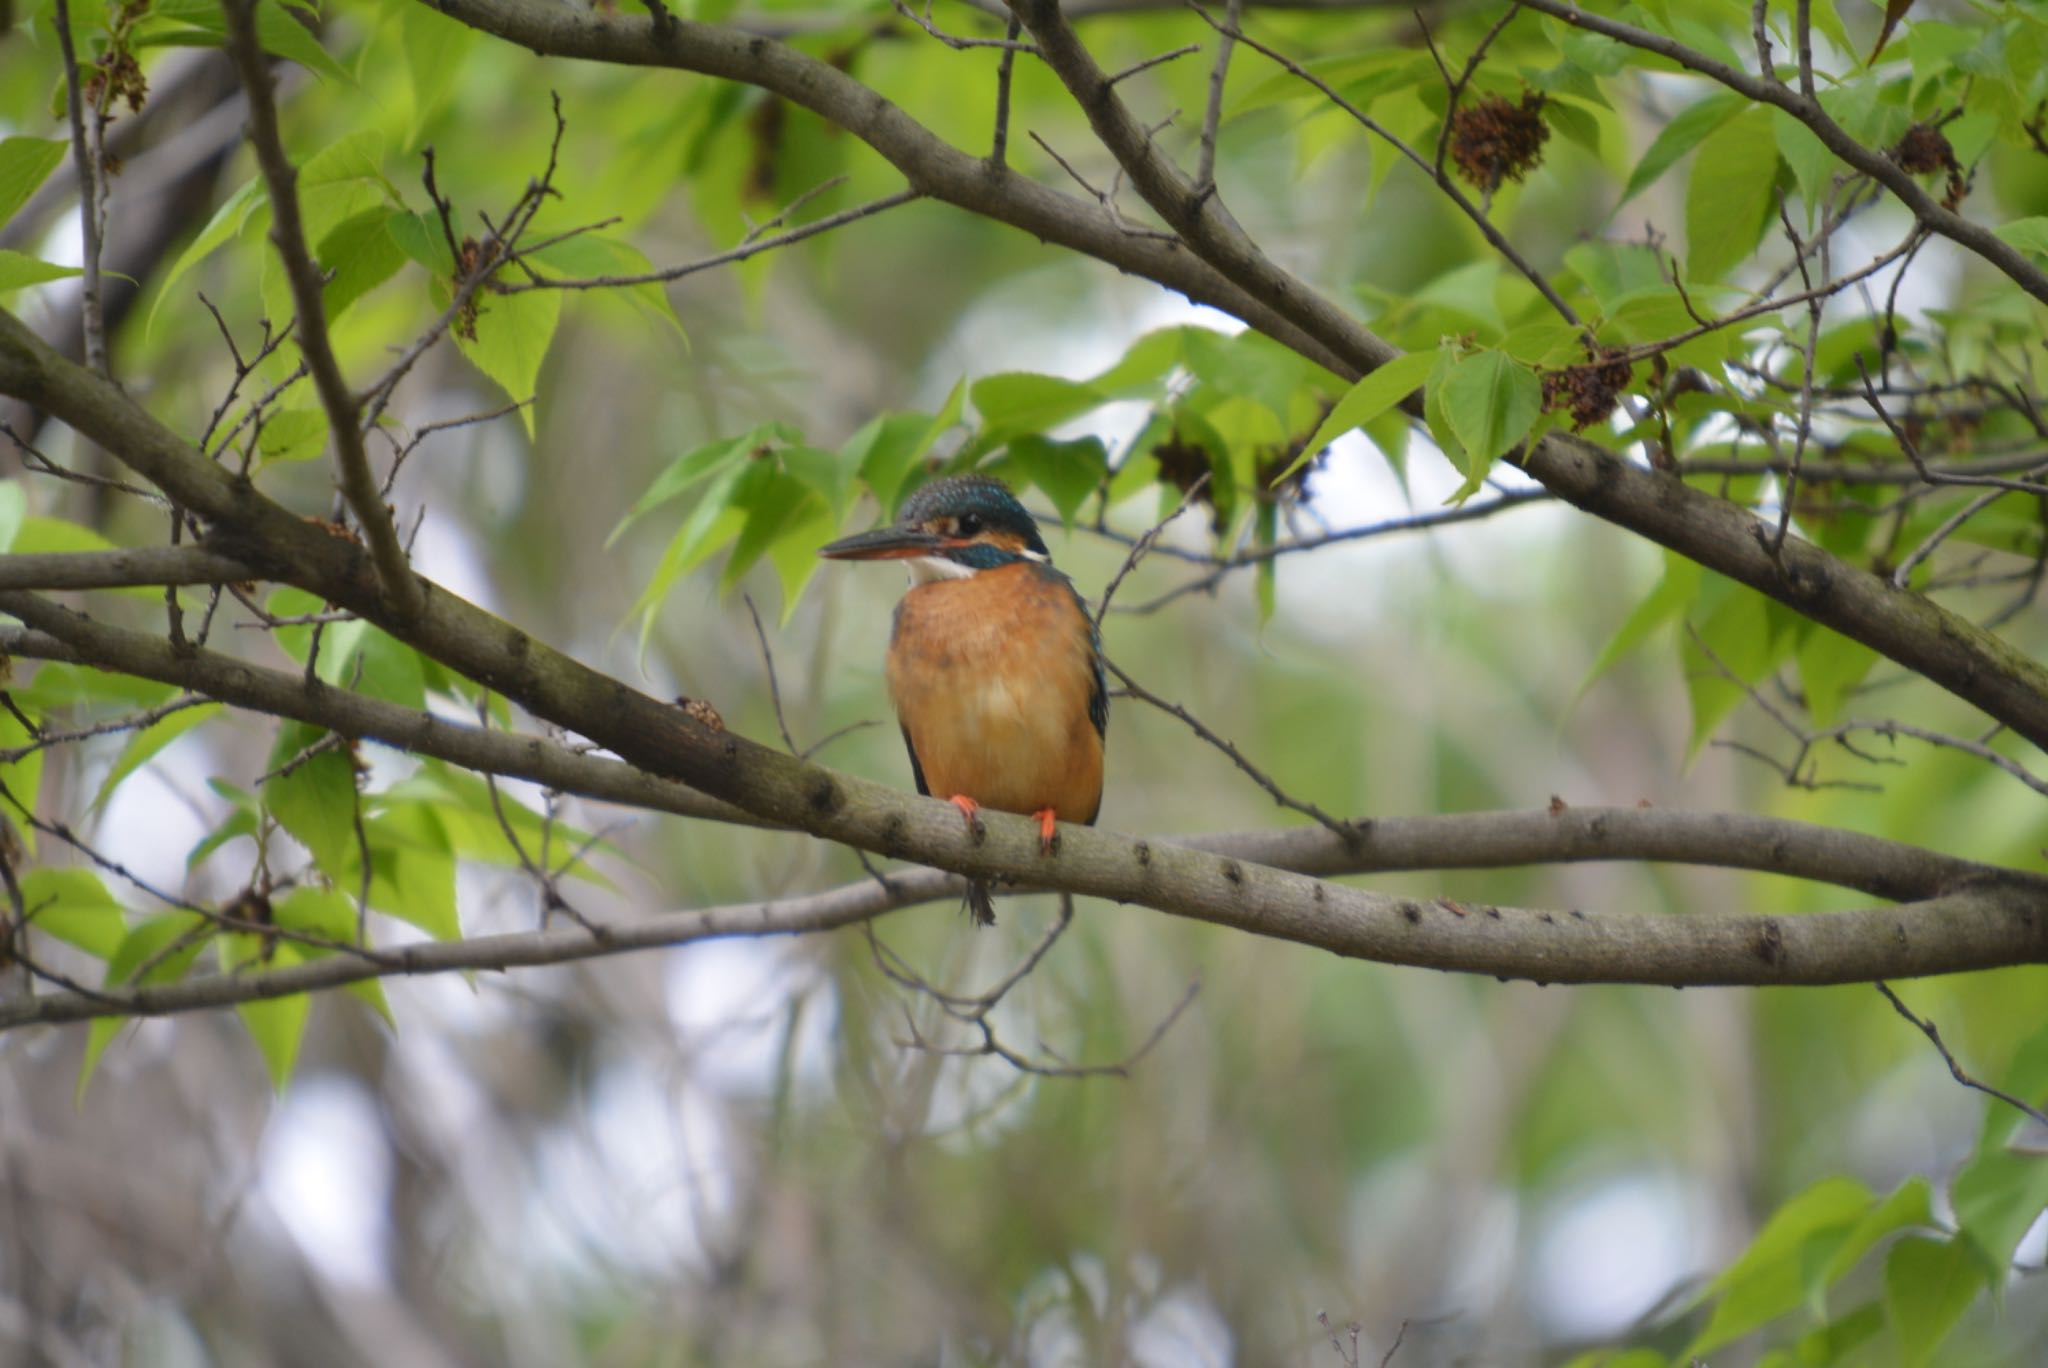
(1831, 1343)
(1770, 1277)
(1830, 665)
(144, 745)
(293, 435)
(17, 271)
(420, 237)
(1729, 198)
(794, 553)
(1145, 363)
(1021, 402)
(276, 1024)
(771, 501)
(512, 337)
(1367, 400)
(1680, 135)
(883, 452)
(1911, 1204)
(327, 913)
(886, 450)
(711, 524)
(2027, 234)
(1491, 401)
(316, 801)
(693, 467)
(25, 163)
(1735, 623)
(246, 204)
(1674, 595)
(359, 254)
(435, 49)
(167, 944)
(23, 777)
(590, 256)
(74, 906)
(279, 31)
(1811, 162)
(1068, 472)
(1997, 1197)
(1928, 1284)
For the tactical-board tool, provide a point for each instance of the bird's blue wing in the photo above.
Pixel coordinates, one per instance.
(916, 770)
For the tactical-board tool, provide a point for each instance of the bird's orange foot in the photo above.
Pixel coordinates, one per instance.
(971, 810)
(1048, 833)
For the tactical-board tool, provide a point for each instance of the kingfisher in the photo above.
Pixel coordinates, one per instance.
(995, 666)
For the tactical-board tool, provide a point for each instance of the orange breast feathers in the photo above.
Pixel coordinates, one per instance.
(992, 677)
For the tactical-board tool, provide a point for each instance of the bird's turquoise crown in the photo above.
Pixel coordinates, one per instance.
(990, 505)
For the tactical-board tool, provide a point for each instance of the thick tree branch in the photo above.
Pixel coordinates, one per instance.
(1830, 947)
(1475, 840)
(816, 912)
(126, 568)
(1969, 916)
(344, 413)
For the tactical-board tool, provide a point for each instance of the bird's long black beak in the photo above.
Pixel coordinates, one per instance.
(886, 543)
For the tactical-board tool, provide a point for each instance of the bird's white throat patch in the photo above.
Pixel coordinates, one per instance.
(926, 569)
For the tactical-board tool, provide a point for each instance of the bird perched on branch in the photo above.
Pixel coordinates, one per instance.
(995, 667)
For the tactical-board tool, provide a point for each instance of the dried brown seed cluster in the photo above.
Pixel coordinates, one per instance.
(1588, 392)
(1181, 462)
(116, 76)
(1924, 150)
(470, 258)
(1494, 141)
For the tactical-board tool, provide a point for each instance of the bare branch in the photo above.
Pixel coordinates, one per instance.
(344, 412)
(91, 195)
(1205, 169)
(1344, 830)
(748, 249)
(166, 565)
(1928, 1029)
(1144, 544)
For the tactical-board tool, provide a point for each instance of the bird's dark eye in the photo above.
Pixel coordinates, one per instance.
(970, 523)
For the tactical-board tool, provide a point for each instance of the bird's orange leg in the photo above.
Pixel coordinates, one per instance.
(971, 810)
(1048, 835)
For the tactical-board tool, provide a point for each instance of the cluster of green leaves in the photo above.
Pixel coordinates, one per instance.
(1235, 408)
(1480, 335)
(1910, 1275)
(315, 791)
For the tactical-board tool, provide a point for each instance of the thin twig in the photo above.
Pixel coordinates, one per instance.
(741, 253)
(999, 144)
(1349, 832)
(1933, 1033)
(959, 44)
(774, 688)
(1148, 63)
(1212, 119)
(91, 176)
(1144, 544)
(344, 411)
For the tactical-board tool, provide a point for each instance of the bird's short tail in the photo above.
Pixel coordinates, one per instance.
(980, 905)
